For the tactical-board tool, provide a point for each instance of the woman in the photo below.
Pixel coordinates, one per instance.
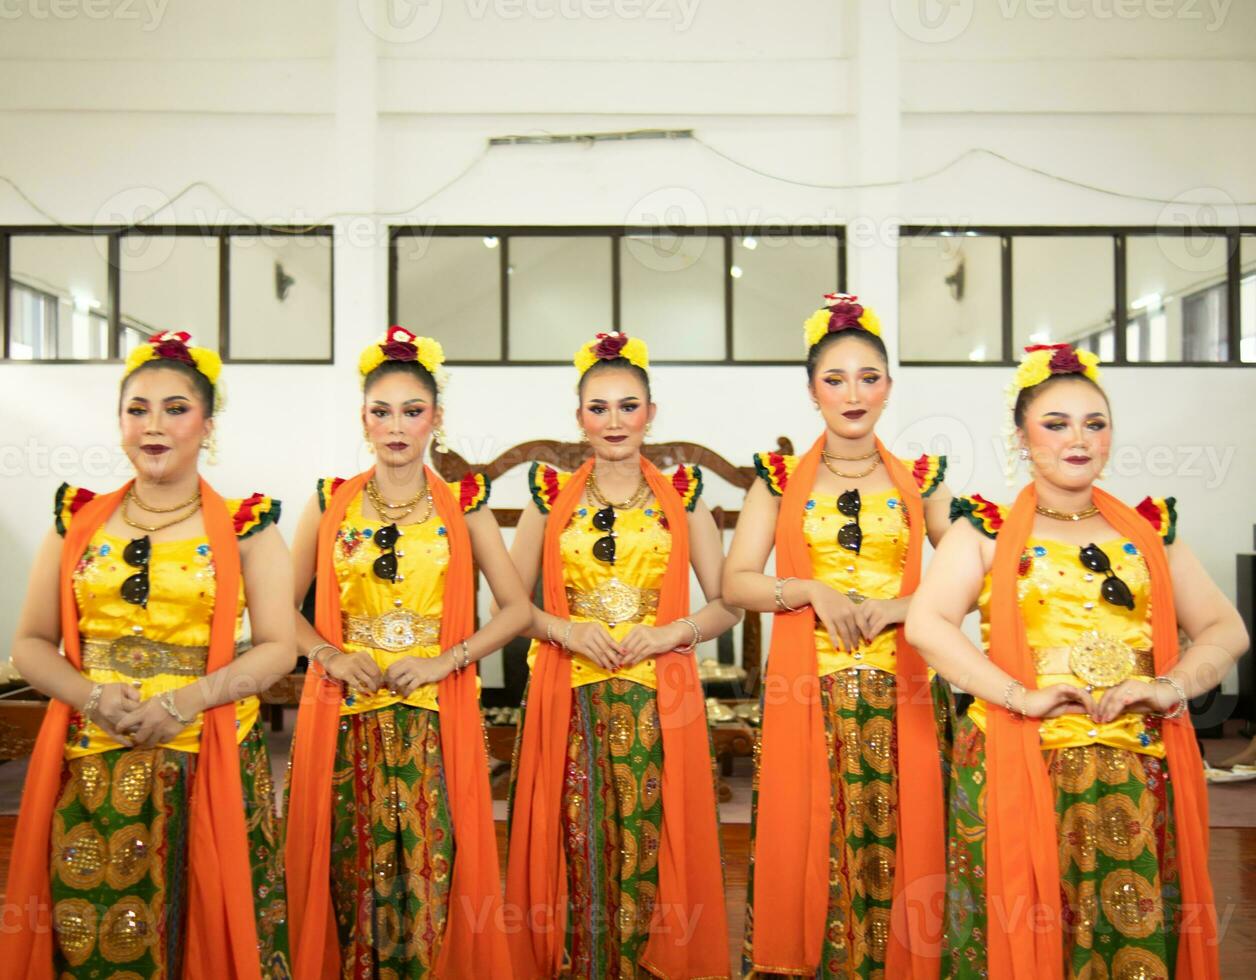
(1078, 791)
(391, 854)
(147, 821)
(614, 849)
(848, 522)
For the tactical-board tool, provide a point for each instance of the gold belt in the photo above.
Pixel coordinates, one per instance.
(613, 602)
(396, 630)
(1101, 660)
(138, 656)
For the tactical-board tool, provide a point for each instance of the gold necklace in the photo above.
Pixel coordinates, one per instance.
(1061, 515)
(151, 528)
(405, 508)
(636, 500)
(164, 510)
(848, 459)
(850, 476)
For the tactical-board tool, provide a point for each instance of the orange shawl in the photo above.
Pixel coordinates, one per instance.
(691, 888)
(221, 929)
(473, 944)
(795, 805)
(1023, 874)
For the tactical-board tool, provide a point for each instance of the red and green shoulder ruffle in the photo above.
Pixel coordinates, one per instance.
(68, 502)
(545, 482)
(687, 481)
(252, 514)
(985, 515)
(326, 487)
(928, 471)
(471, 491)
(1161, 513)
(775, 469)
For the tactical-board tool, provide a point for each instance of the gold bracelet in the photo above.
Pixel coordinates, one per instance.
(781, 604)
(166, 700)
(1007, 698)
(1181, 707)
(93, 701)
(316, 649)
(697, 635)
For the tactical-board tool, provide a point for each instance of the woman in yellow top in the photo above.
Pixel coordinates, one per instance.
(1078, 792)
(144, 878)
(849, 714)
(377, 812)
(614, 852)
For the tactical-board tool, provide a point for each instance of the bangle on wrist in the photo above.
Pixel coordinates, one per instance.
(318, 648)
(93, 701)
(166, 700)
(1182, 705)
(697, 635)
(1007, 698)
(466, 656)
(549, 634)
(567, 636)
(781, 604)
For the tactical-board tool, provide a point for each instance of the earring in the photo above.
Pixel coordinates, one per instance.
(648, 427)
(442, 441)
(210, 445)
(370, 446)
(1024, 453)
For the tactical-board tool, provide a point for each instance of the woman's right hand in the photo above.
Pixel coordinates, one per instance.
(838, 614)
(116, 702)
(1053, 701)
(356, 671)
(593, 641)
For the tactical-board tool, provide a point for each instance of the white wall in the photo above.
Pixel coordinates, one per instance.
(293, 114)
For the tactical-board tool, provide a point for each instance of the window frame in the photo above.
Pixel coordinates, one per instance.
(1119, 234)
(115, 233)
(503, 233)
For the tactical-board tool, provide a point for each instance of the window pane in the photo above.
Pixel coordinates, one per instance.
(60, 295)
(1063, 290)
(1247, 306)
(778, 281)
(450, 288)
(673, 295)
(280, 297)
(560, 295)
(1178, 283)
(950, 297)
(169, 282)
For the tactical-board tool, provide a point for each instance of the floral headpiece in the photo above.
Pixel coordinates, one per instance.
(609, 347)
(1042, 361)
(172, 345)
(401, 345)
(842, 311)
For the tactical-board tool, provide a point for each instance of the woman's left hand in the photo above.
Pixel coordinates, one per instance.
(150, 724)
(408, 674)
(877, 615)
(1136, 698)
(650, 641)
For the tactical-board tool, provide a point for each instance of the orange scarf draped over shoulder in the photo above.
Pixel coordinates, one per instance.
(689, 932)
(474, 942)
(791, 850)
(221, 928)
(1023, 873)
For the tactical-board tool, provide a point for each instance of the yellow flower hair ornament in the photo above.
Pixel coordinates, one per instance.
(842, 311)
(172, 345)
(609, 347)
(401, 345)
(1041, 361)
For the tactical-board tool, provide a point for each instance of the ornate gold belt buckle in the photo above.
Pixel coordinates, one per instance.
(394, 631)
(620, 602)
(1101, 660)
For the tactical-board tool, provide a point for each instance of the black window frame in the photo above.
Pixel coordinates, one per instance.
(503, 234)
(1119, 234)
(115, 233)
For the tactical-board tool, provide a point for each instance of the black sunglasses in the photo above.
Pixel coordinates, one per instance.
(385, 565)
(1113, 589)
(604, 548)
(850, 536)
(135, 587)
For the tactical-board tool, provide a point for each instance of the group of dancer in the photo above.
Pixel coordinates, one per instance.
(1056, 828)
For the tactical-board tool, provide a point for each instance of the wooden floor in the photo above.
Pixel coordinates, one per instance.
(1233, 865)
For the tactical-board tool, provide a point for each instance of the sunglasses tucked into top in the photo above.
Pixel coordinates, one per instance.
(135, 587)
(1113, 590)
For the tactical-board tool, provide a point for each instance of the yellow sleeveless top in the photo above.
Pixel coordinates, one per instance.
(393, 620)
(162, 646)
(1060, 603)
(876, 572)
(643, 544)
